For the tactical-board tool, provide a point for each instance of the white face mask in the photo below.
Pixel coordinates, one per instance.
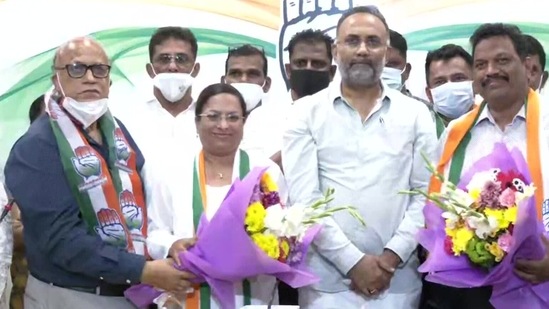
(392, 77)
(252, 93)
(85, 112)
(453, 100)
(173, 86)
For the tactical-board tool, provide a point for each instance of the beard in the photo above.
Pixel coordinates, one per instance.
(361, 74)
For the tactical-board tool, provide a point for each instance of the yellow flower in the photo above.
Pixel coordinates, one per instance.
(510, 214)
(268, 243)
(498, 214)
(495, 250)
(460, 240)
(268, 184)
(255, 218)
(474, 193)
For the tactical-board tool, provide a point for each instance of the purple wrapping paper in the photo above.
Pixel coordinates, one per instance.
(225, 254)
(509, 291)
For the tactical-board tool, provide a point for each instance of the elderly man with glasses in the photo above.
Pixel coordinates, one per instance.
(75, 175)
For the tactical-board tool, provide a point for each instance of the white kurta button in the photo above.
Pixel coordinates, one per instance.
(100, 278)
(128, 281)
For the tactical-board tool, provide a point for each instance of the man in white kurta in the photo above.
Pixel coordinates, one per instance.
(328, 144)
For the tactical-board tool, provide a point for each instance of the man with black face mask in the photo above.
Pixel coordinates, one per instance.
(310, 69)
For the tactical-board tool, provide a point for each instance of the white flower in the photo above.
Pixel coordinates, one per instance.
(480, 179)
(529, 191)
(462, 199)
(274, 219)
(483, 226)
(451, 219)
(288, 222)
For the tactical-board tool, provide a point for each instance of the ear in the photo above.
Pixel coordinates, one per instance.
(55, 82)
(110, 82)
(406, 73)
(544, 77)
(267, 86)
(196, 69)
(334, 52)
(428, 94)
(288, 70)
(150, 70)
(222, 79)
(333, 70)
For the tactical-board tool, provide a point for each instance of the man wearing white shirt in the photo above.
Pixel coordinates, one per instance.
(246, 69)
(165, 125)
(365, 140)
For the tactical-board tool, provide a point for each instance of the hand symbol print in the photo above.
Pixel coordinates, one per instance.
(86, 163)
(130, 210)
(110, 227)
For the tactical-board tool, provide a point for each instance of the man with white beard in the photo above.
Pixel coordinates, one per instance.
(365, 140)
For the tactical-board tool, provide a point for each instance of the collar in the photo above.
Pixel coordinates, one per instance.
(334, 92)
(486, 115)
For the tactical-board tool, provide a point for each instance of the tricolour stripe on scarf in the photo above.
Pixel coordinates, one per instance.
(533, 153)
(100, 197)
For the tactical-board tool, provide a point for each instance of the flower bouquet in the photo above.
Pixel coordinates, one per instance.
(477, 229)
(251, 234)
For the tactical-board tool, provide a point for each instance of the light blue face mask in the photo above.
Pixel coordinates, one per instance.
(392, 77)
(453, 99)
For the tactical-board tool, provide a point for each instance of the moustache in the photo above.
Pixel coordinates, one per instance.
(368, 62)
(489, 79)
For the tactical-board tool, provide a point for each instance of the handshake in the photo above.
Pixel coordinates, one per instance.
(162, 274)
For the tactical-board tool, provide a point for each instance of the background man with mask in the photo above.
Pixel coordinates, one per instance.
(84, 214)
(397, 69)
(310, 69)
(165, 127)
(449, 76)
(538, 75)
(349, 137)
(246, 69)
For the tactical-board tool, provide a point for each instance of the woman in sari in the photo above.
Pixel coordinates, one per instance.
(177, 197)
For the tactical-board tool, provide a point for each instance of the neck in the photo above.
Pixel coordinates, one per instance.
(505, 113)
(362, 98)
(174, 108)
(223, 160)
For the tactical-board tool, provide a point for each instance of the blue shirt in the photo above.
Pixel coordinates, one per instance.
(59, 248)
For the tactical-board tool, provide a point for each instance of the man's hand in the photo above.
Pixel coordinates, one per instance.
(535, 271)
(180, 246)
(391, 258)
(162, 274)
(371, 275)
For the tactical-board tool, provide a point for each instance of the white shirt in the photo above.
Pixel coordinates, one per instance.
(263, 130)
(327, 145)
(158, 134)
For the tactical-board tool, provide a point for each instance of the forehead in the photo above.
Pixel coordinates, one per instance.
(245, 63)
(394, 55)
(173, 46)
(362, 24)
(494, 46)
(84, 51)
(445, 68)
(223, 102)
(310, 50)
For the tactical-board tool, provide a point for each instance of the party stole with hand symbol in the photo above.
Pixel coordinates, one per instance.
(200, 297)
(110, 196)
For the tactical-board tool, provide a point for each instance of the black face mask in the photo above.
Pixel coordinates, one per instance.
(307, 82)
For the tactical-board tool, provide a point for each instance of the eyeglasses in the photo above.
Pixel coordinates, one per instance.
(217, 117)
(179, 59)
(353, 42)
(78, 70)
